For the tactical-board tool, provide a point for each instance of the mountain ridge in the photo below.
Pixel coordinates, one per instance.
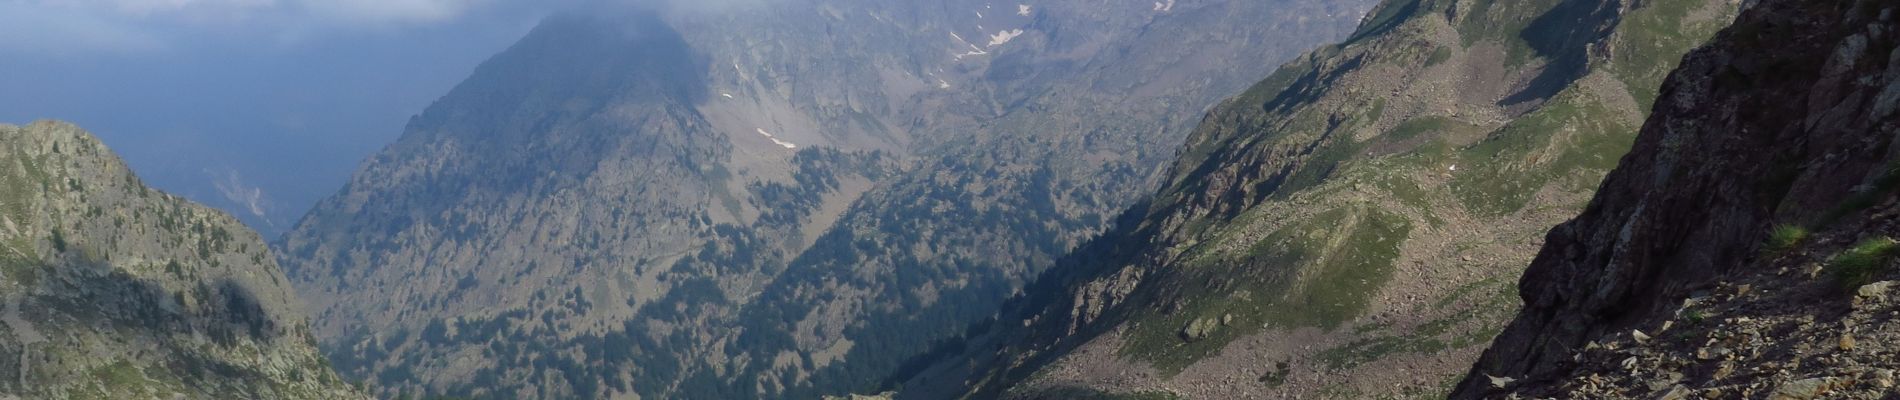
(116, 290)
(860, 177)
(1348, 222)
(1720, 259)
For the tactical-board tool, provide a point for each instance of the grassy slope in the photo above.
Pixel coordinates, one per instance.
(1297, 202)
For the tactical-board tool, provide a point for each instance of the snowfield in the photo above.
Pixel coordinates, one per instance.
(1004, 37)
(781, 143)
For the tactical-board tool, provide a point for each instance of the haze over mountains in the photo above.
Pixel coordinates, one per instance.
(259, 108)
(763, 201)
(1051, 200)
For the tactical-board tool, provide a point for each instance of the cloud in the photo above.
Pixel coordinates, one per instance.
(34, 29)
(386, 11)
(68, 27)
(342, 11)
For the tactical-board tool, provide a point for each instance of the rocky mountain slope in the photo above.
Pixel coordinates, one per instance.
(1349, 227)
(1744, 248)
(111, 290)
(759, 199)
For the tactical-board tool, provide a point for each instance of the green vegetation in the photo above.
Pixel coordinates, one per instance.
(1571, 134)
(59, 241)
(1494, 302)
(1083, 393)
(1695, 317)
(1862, 263)
(1785, 238)
(1413, 127)
(1884, 185)
(1506, 23)
(1650, 42)
(1439, 56)
(120, 375)
(1319, 272)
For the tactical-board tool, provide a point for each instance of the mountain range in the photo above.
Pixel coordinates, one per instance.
(959, 199)
(769, 201)
(1350, 227)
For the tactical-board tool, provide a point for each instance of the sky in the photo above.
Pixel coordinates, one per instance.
(259, 107)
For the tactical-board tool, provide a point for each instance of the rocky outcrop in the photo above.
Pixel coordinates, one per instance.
(1347, 228)
(1786, 119)
(109, 289)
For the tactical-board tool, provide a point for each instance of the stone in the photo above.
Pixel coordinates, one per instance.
(1499, 381)
(1723, 371)
(1874, 291)
(1678, 392)
(1199, 329)
(1711, 352)
(1804, 389)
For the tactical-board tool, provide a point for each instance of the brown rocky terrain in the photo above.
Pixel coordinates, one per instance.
(1349, 227)
(1742, 249)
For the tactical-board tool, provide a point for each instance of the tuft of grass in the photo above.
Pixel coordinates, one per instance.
(1785, 238)
(1860, 264)
(1695, 317)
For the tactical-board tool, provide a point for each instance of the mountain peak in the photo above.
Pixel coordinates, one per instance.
(116, 290)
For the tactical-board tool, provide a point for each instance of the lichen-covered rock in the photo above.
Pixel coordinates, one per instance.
(109, 289)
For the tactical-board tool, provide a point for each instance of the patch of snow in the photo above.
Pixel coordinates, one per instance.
(974, 51)
(979, 15)
(1164, 7)
(942, 84)
(728, 95)
(1022, 9)
(1454, 168)
(1004, 37)
(781, 143)
(235, 190)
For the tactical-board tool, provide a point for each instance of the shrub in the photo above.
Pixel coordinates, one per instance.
(1784, 238)
(1860, 264)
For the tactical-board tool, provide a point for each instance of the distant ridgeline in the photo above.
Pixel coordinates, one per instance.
(112, 290)
(776, 199)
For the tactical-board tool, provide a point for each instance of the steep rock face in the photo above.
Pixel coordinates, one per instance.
(1347, 227)
(109, 289)
(767, 199)
(1785, 119)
